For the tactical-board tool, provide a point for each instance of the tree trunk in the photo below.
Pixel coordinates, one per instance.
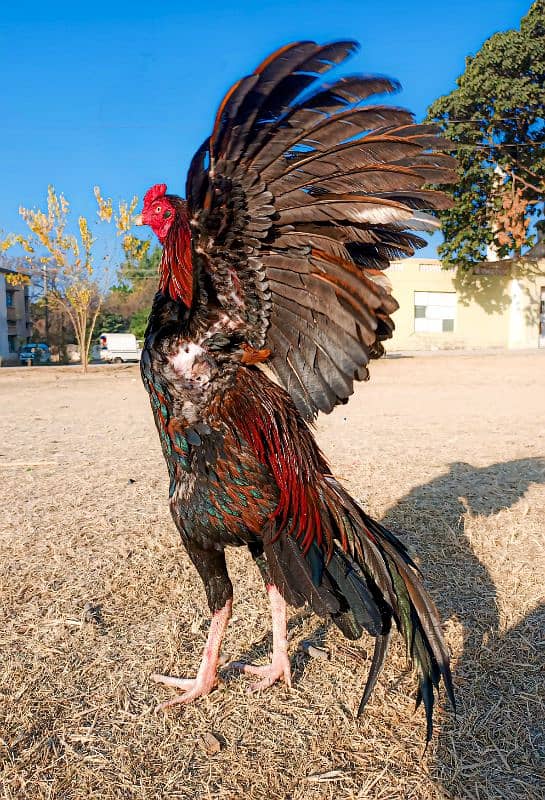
(91, 331)
(84, 356)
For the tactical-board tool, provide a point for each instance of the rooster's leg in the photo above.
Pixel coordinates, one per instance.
(206, 677)
(211, 567)
(279, 668)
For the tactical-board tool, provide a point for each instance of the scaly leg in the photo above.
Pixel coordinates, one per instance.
(207, 676)
(280, 664)
(211, 567)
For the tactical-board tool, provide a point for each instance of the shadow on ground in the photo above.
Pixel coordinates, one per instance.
(496, 747)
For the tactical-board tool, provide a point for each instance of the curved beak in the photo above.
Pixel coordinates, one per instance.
(137, 220)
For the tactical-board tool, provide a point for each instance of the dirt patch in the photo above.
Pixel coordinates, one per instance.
(96, 594)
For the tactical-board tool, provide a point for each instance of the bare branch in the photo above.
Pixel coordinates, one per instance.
(512, 174)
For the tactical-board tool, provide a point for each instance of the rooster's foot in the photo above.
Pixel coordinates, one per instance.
(207, 676)
(191, 688)
(278, 669)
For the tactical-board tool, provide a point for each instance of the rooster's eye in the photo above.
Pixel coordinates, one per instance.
(158, 210)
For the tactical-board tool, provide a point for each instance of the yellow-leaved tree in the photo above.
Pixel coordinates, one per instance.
(64, 261)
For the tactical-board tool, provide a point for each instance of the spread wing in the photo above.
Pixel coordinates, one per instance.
(298, 200)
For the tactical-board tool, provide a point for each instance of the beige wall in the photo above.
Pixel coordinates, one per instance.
(526, 291)
(491, 311)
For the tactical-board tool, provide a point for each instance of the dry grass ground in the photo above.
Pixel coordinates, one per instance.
(96, 594)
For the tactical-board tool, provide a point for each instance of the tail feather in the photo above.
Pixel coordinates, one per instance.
(366, 581)
(416, 617)
(351, 583)
(379, 656)
(412, 609)
(292, 572)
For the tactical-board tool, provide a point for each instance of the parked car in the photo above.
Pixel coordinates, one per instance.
(116, 348)
(35, 352)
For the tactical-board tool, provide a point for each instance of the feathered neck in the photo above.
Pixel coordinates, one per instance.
(176, 269)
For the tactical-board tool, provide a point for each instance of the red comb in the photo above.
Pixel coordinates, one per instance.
(159, 190)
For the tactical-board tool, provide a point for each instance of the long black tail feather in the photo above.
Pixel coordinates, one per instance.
(379, 656)
(369, 580)
(417, 619)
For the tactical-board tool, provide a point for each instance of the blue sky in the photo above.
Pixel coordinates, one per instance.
(121, 94)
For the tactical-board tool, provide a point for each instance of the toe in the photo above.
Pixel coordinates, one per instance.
(260, 686)
(167, 703)
(251, 669)
(179, 699)
(175, 683)
(191, 690)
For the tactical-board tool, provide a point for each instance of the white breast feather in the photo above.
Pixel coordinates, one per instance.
(183, 361)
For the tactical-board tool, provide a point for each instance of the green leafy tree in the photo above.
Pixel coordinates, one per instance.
(136, 271)
(139, 321)
(496, 119)
(127, 305)
(111, 322)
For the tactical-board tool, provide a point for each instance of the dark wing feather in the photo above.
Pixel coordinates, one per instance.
(298, 201)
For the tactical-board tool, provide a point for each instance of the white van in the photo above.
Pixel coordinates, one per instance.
(115, 348)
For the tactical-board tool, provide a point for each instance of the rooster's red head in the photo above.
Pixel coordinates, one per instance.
(158, 211)
(166, 214)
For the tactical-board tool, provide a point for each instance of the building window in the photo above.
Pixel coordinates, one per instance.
(430, 267)
(434, 312)
(9, 298)
(12, 344)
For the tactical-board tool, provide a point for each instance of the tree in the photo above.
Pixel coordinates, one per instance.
(140, 268)
(50, 323)
(128, 304)
(139, 322)
(496, 120)
(65, 261)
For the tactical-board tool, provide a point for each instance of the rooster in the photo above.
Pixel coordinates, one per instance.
(271, 301)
